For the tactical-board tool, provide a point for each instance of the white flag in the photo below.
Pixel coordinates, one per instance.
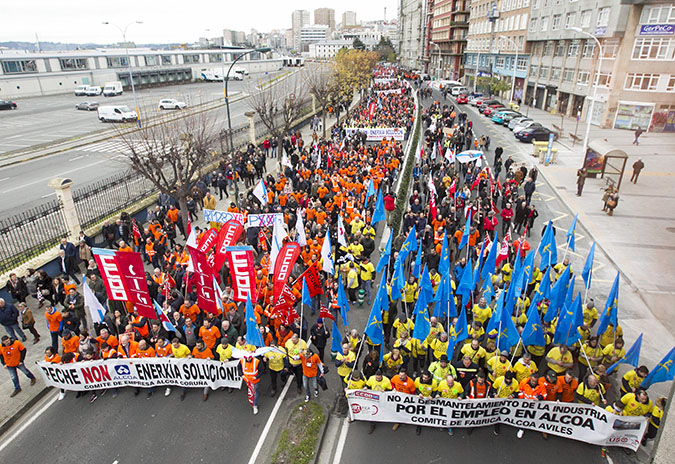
(450, 155)
(192, 242)
(285, 161)
(433, 152)
(341, 232)
(432, 186)
(327, 255)
(96, 309)
(260, 192)
(300, 229)
(278, 236)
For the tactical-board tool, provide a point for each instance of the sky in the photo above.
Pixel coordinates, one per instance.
(175, 21)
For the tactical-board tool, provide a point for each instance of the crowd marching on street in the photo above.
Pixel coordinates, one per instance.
(462, 306)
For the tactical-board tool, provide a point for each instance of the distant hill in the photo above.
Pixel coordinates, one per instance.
(60, 46)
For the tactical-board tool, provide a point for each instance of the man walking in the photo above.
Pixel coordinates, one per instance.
(638, 133)
(638, 166)
(581, 180)
(9, 318)
(13, 354)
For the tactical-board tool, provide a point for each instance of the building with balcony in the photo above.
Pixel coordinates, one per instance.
(448, 31)
(635, 77)
(411, 32)
(496, 43)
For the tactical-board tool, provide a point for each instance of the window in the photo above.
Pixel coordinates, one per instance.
(151, 60)
(560, 48)
(522, 64)
(556, 22)
(533, 25)
(603, 16)
(582, 77)
(535, 4)
(500, 62)
(548, 48)
(604, 79)
(190, 58)
(166, 59)
(658, 14)
(215, 58)
(555, 73)
(585, 18)
(641, 82)
(544, 24)
(73, 63)
(537, 49)
(568, 75)
(570, 19)
(534, 69)
(523, 21)
(117, 62)
(543, 72)
(671, 84)
(19, 66)
(573, 50)
(589, 49)
(654, 48)
(610, 47)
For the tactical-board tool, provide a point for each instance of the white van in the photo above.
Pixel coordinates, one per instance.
(115, 114)
(112, 89)
(94, 91)
(239, 72)
(81, 90)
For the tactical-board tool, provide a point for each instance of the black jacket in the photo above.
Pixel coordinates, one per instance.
(9, 315)
(319, 336)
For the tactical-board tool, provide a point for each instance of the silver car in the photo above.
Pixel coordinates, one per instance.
(87, 106)
(517, 121)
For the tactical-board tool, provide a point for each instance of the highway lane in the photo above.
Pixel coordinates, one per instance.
(42, 120)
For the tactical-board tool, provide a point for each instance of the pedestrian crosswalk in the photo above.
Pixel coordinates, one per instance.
(118, 146)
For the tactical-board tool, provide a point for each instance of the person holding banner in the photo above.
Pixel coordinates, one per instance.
(425, 387)
(251, 370)
(591, 391)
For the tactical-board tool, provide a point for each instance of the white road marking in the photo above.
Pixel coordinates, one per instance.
(341, 442)
(25, 425)
(4, 178)
(270, 420)
(48, 195)
(76, 158)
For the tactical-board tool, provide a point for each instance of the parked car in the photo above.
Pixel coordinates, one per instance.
(525, 125)
(498, 116)
(492, 109)
(517, 121)
(87, 106)
(487, 103)
(116, 114)
(457, 90)
(538, 133)
(112, 89)
(81, 90)
(478, 100)
(171, 104)
(7, 105)
(510, 116)
(462, 98)
(93, 91)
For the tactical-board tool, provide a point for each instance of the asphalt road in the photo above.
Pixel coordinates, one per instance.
(42, 120)
(24, 185)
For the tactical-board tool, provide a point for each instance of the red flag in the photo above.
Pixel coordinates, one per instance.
(432, 206)
(208, 240)
(167, 285)
(325, 313)
(371, 111)
(311, 276)
(111, 274)
(453, 187)
(131, 267)
(250, 391)
(135, 230)
(504, 249)
(242, 272)
(262, 239)
(285, 301)
(283, 265)
(206, 298)
(228, 236)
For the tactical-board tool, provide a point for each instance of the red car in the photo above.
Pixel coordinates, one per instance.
(490, 109)
(462, 98)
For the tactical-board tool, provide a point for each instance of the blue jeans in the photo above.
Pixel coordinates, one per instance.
(367, 286)
(15, 331)
(15, 376)
(308, 382)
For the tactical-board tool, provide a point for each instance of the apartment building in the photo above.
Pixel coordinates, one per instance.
(325, 16)
(633, 80)
(299, 19)
(411, 27)
(449, 27)
(496, 42)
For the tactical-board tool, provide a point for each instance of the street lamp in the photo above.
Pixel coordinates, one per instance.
(438, 68)
(131, 78)
(222, 61)
(595, 85)
(515, 67)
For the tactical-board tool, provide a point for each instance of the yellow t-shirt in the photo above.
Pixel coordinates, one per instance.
(181, 352)
(634, 380)
(632, 407)
(450, 392)
(440, 348)
(275, 360)
(555, 354)
(344, 370)
(498, 368)
(503, 388)
(523, 371)
(294, 350)
(382, 385)
(356, 384)
(224, 354)
(481, 314)
(591, 394)
(426, 389)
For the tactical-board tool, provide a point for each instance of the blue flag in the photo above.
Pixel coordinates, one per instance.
(570, 233)
(491, 261)
(466, 283)
(558, 294)
(631, 357)
(497, 314)
(426, 288)
(611, 313)
(166, 323)
(460, 333)
(533, 333)
(342, 302)
(507, 333)
(386, 254)
(467, 232)
(374, 329)
(476, 270)
(418, 261)
(572, 318)
(370, 192)
(409, 245)
(422, 323)
(587, 272)
(444, 263)
(663, 372)
(488, 289)
(253, 336)
(545, 284)
(378, 214)
(397, 280)
(570, 294)
(306, 299)
(336, 340)
(547, 247)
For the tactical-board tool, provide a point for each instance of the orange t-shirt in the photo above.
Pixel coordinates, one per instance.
(71, 345)
(310, 365)
(206, 354)
(210, 336)
(12, 353)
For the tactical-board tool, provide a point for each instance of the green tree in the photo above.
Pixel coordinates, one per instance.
(358, 45)
(385, 50)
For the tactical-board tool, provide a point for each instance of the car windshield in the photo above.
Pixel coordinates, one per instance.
(125, 109)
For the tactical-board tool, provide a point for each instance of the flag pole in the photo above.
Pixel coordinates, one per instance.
(302, 312)
(583, 351)
(567, 245)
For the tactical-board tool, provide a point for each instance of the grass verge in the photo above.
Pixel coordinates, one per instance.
(298, 440)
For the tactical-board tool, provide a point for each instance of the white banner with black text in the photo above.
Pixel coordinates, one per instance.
(582, 422)
(141, 372)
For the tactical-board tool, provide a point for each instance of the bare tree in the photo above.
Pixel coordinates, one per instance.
(172, 152)
(322, 84)
(279, 105)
